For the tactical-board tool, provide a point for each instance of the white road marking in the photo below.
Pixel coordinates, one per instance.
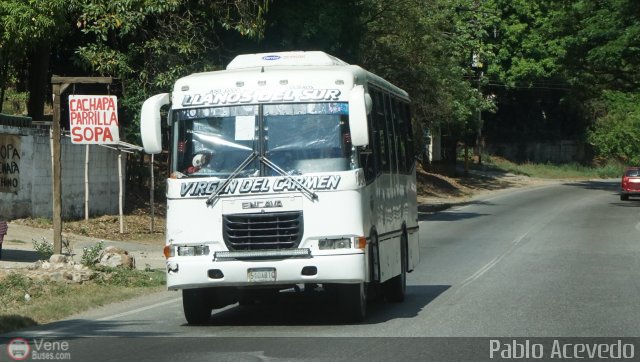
(136, 311)
(111, 317)
(492, 263)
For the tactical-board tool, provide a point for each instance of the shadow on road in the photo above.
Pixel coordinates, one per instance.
(289, 309)
(449, 216)
(431, 212)
(28, 256)
(298, 309)
(630, 203)
(80, 328)
(608, 185)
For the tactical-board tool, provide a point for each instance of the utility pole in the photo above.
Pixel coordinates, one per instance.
(479, 139)
(59, 85)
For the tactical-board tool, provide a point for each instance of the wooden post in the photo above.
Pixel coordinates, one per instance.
(55, 172)
(466, 159)
(120, 193)
(86, 182)
(59, 85)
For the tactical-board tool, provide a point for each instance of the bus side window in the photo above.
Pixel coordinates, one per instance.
(410, 152)
(401, 132)
(392, 133)
(371, 157)
(382, 148)
(367, 156)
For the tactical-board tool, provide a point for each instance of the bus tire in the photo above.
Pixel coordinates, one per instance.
(196, 306)
(396, 287)
(353, 299)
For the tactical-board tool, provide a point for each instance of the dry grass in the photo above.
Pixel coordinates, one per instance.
(137, 226)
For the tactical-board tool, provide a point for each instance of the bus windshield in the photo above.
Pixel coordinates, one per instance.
(299, 138)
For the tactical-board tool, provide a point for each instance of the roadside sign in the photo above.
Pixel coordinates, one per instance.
(93, 119)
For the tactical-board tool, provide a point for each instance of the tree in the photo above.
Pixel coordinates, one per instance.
(555, 63)
(148, 44)
(28, 28)
(615, 133)
(427, 47)
(602, 41)
(332, 26)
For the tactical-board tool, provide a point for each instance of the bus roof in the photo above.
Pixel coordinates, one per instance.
(296, 58)
(290, 68)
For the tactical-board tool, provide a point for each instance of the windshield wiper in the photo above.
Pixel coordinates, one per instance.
(303, 189)
(212, 199)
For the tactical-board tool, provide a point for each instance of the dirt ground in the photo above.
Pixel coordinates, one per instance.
(434, 187)
(137, 225)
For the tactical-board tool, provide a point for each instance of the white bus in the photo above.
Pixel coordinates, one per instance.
(288, 170)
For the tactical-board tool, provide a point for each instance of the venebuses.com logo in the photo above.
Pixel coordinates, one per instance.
(20, 349)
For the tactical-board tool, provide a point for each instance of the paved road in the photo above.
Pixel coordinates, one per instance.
(557, 260)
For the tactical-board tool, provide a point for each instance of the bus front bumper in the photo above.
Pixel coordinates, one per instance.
(202, 272)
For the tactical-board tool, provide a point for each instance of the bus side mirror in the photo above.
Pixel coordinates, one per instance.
(150, 122)
(359, 106)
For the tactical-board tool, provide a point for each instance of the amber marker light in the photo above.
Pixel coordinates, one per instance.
(168, 251)
(361, 242)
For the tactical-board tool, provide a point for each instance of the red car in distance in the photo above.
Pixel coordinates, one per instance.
(630, 185)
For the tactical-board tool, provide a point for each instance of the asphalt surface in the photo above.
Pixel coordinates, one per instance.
(557, 261)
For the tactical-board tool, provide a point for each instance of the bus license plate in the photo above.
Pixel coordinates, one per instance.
(261, 275)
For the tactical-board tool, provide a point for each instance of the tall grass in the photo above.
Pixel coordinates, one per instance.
(554, 171)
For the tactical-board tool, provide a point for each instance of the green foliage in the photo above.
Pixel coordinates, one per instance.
(540, 65)
(128, 278)
(331, 25)
(13, 281)
(43, 247)
(427, 49)
(26, 302)
(602, 41)
(90, 255)
(15, 102)
(149, 44)
(616, 132)
(553, 171)
(25, 25)
(610, 169)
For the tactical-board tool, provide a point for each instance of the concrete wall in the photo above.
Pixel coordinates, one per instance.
(433, 145)
(33, 196)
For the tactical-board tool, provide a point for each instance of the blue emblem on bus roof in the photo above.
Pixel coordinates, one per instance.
(271, 57)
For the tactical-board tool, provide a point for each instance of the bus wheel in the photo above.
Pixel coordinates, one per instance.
(196, 305)
(353, 299)
(395, 288)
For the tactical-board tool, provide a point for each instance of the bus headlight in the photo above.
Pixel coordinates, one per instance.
(197, 250)
(328, 244)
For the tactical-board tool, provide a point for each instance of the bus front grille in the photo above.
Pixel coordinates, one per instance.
(266, 231)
